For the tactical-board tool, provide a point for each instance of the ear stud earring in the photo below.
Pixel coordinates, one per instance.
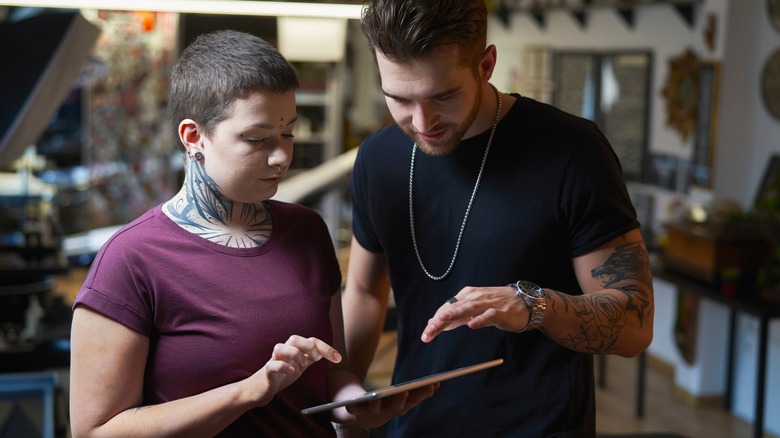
(197, 157)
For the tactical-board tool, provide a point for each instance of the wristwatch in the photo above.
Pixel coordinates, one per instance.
(534, 297)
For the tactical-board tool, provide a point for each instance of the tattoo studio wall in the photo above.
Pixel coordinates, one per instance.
(130, 146)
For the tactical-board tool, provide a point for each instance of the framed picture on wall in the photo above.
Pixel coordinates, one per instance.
(661, 171)
(770, 84)
(611, 88)
(768, 194)
(700, 170)
(644, 204)
(773, 10)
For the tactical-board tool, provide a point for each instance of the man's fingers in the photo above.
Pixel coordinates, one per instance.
(449, 316)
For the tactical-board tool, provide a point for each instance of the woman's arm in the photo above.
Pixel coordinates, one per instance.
(107, 374)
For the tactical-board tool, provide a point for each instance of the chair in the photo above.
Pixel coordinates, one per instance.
(20, 386)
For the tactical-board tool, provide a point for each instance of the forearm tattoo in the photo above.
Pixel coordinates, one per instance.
(208, 213)
(603, 317)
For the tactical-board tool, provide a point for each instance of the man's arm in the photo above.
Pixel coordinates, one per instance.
(613, 315)
(365, 306)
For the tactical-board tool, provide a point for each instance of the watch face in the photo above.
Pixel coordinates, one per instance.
(531, 289)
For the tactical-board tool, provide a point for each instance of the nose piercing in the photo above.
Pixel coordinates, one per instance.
(279, 167)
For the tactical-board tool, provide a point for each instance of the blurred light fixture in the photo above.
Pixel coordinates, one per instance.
(228, 7)
(312, 39)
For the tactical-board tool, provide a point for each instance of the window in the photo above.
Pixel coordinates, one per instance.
(611, 89)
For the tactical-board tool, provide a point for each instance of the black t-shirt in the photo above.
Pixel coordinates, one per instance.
(552, 189)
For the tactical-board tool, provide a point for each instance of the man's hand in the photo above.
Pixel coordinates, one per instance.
(478, 307)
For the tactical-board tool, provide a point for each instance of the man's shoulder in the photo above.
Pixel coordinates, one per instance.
(544, 114)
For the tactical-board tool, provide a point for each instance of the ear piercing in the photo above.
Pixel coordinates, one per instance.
(197, 157)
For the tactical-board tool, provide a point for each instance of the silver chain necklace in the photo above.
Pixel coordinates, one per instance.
(468, 209)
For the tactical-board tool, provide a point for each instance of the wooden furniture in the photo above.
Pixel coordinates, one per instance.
(705, 253)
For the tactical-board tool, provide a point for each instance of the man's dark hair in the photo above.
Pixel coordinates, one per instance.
(402, 30)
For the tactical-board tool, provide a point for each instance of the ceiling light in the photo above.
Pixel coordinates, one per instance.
(227, 7)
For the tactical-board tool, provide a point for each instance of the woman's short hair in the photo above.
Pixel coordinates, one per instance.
(220, 67)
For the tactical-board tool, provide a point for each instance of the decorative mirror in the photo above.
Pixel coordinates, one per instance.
(681, 92)
(773, 9)
(770, 84)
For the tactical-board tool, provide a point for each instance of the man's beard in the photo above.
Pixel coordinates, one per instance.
(447, 144)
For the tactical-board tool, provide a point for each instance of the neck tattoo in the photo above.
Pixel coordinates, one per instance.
(202, 209)
(468, 209)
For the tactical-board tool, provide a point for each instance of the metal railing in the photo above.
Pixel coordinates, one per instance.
(323, 188)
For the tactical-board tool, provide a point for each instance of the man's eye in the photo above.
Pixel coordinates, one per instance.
(288, 135)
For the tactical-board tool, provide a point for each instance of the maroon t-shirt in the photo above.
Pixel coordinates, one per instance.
(213, 314)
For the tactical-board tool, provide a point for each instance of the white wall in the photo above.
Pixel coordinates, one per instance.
(748, 134)
(746, 137)
(606, 30)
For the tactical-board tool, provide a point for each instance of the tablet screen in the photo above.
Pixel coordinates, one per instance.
(402, 387)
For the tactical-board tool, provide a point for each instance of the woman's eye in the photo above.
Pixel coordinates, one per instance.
(398, 101)
(288, 135)
(253, 140)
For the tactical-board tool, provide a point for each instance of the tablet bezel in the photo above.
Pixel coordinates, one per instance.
(403, 387)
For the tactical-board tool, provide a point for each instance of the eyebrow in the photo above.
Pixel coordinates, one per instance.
(432, 96)
(272, 126)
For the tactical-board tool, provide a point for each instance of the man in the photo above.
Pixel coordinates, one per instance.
(464, 206)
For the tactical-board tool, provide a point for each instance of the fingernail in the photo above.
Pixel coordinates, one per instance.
(425, 337)
(337, 356)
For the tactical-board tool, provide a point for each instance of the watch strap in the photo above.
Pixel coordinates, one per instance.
(536, 303)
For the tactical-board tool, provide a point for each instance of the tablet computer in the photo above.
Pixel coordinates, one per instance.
(403, 387)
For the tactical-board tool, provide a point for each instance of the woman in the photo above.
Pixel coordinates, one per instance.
(210, 313)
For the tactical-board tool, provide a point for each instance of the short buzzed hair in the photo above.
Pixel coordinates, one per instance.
(217, 69)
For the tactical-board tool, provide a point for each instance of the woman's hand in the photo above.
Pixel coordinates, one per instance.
(288, 362)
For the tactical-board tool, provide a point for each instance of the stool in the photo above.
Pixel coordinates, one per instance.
(17, 386)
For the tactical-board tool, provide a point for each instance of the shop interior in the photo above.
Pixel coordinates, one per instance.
(687, 92)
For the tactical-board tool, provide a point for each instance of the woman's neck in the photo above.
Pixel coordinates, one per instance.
(201, 208)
